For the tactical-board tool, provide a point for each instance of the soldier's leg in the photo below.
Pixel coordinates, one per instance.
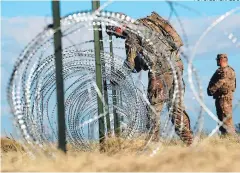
(158, 90)
(226, 106)
(181, 121)
(154, 109)
(179, 116)
(154, 120)
(219, 111)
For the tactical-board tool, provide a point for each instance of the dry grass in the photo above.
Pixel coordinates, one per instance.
(213, 155)
(9, 145)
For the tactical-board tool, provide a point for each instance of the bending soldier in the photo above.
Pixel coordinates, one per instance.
(222, 86)
(160, 77)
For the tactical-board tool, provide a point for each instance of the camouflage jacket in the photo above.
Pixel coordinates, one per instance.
(222, 83)
(170, 43)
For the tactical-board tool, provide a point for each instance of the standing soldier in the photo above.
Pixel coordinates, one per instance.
(222, 86)
(161, 84)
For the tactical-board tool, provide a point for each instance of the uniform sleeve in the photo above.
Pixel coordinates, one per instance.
(216, 86)
(130, 53)
(210, 84)
(132, 47)
(235, 84)
(216, 82)
(233, 81)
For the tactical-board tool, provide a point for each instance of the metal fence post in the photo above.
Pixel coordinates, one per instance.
(114, 95)
(97, 47)
(59, 76)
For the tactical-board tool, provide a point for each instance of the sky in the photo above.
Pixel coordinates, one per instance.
(22, 21)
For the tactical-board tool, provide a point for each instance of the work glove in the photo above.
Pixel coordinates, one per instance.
(140, 63)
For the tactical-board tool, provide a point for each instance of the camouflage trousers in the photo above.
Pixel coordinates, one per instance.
(224, 113)
(161, 90)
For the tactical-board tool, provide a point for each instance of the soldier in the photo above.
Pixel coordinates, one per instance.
(222, 86)
(161, 79)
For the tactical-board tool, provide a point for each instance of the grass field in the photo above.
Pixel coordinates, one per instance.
(212, 154)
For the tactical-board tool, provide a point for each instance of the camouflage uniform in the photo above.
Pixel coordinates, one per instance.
(222, 86)
(161, 79)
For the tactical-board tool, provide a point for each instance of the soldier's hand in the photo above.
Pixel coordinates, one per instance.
(140, 63)
(224, 90)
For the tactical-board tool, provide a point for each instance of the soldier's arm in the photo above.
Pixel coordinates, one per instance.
(130, 53)
(235, 84)
(133, 49)
(212, 80)
(217, 82)
(235, 81)
(209, 92)
(214, 87)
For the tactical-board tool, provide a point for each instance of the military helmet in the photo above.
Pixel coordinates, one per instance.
(220, 56)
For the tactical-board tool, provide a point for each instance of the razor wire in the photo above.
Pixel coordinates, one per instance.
(217, 21)
(32, 90)
(189, 61)
(229, 35)
(199, 125)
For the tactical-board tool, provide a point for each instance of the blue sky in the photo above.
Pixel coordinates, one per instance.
(132, 8)
(21, 21)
